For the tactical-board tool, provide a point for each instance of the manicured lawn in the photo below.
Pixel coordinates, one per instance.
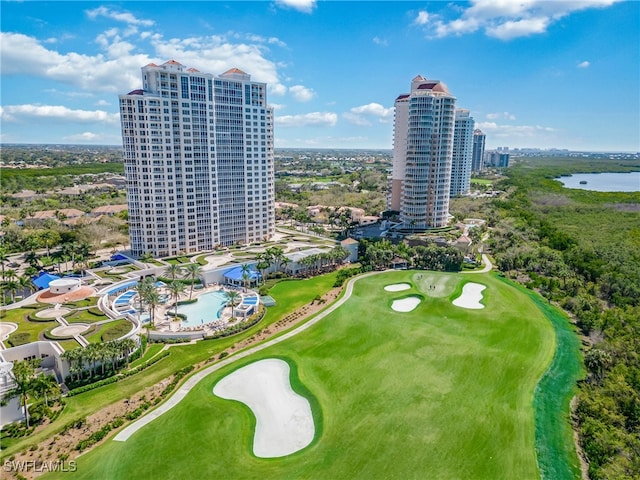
(289, 295)
(109, 331)
(19, 317)
(152, 350)
(482, 181)
(439, 392)
(86, 316)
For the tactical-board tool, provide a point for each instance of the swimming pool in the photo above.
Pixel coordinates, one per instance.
(206, 309)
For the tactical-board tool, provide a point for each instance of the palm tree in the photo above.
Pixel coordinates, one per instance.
(3, 258)
(47, 236)
(73, 357)
(173, 271)
(143, 287)
(192, 271)
(276, 257)
(23, 373)
(91, 355)
(45, 385)
(25, 282)
(262, 264)
(152, 299)
(176, 288)
(32, 259)
(233, 300)
(246, 274)
(11, 286)
(127, 345)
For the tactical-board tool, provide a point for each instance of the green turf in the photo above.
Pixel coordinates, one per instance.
(440, 392)
(152, 351)
(109, 331)
(290, 295)
(32, 328)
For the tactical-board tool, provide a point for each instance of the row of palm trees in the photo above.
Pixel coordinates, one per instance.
(99, 355)
(314, 263)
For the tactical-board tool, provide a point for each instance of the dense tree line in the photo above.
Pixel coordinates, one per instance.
(380, 254)
(581, 250)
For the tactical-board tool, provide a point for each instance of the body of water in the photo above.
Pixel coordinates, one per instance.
(206, 309)
(603, 182)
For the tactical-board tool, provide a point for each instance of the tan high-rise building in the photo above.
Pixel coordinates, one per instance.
(422, 154)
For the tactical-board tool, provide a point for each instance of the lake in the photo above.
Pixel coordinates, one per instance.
(603, 182)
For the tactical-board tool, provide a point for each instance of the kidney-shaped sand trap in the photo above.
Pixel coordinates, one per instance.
(405, 304)
(397, 287)
(284, 423)
(470, 297)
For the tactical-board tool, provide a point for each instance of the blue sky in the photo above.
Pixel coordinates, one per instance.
(533, 73)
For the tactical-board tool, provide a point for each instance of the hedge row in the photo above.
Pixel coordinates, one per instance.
(240, 327)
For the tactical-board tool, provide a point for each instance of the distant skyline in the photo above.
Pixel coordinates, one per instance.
(534, 74)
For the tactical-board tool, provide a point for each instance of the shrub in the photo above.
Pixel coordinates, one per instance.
(222, 355)
(19, 339)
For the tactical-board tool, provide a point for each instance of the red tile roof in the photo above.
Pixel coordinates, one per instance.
(234, 70)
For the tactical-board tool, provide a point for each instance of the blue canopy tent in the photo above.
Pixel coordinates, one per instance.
(234, 276)
(43, 279)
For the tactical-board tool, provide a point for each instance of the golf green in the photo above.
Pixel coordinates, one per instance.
(440, 392)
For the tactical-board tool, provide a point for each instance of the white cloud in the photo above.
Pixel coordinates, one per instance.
(301, 93)
(584, 64)
(27, 112)
(356, 119)
(24, 55)
(102, 103)
(505, 19)
(277, 106)
(494, 129)
(380, 41)
(318, 119)
(117, 68)
(358, 115)
(501, 115)
(85, 137)
(519, 28)
(125, 17)
(422, 18)
(304, 6)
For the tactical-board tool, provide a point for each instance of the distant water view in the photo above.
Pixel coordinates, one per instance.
(603, 182)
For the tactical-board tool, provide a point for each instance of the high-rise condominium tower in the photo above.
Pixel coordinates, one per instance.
(198, 156)
(479, 138)
(462, 153)
(422, 153)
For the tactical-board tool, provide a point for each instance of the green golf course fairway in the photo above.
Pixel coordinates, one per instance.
(441, 392)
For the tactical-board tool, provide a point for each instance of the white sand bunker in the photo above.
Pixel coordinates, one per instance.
(284, 423)
(70, 330)
(405, 304)
(397, 287)
(470, 297)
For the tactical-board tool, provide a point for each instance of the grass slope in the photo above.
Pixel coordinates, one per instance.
(440, 392)
(289, 295)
